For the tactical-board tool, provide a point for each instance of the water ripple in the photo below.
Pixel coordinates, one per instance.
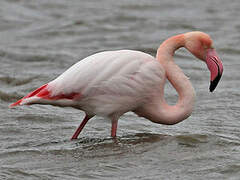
(12, 81)
(9, 97)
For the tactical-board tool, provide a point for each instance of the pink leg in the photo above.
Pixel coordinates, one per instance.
(79, 129)
(114, 128)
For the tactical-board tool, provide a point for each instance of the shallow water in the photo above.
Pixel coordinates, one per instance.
(41, 39)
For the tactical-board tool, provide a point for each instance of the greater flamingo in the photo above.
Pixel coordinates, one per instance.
(112, 83)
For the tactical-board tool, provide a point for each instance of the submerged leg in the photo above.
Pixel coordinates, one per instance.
(114, 127)
(79, 129)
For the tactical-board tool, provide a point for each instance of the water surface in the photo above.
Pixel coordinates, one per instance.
(41, 39)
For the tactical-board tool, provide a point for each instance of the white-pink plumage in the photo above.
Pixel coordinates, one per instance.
(112, 83)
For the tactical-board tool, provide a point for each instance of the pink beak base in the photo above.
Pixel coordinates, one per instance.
(215, 67)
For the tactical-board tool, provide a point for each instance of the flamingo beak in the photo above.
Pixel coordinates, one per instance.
(216, 68)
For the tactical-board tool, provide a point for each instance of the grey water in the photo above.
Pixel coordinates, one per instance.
(40, 39)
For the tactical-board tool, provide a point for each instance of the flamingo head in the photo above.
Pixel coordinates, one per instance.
(201, 46)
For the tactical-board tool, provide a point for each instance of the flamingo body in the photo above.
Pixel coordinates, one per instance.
(111, 82)
(104, 84)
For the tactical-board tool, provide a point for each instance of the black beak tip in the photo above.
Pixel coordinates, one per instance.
(212, 87)
(214, 83)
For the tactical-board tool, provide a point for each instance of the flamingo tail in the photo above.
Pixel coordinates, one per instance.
(43, 95)
(32, 97)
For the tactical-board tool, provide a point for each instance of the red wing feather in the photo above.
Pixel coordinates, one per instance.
(44, 93)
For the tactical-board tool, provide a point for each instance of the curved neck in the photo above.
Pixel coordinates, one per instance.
(169, 46)
(164, 113)
(174, 74)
